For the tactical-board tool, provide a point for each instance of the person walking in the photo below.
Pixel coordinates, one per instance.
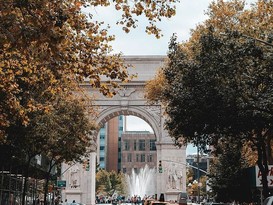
(73, 202)
(66, 202)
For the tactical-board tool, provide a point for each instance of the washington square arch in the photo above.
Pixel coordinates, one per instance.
(80, 184)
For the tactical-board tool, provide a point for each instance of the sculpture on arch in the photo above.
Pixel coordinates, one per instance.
(74, 181)
(175, 177)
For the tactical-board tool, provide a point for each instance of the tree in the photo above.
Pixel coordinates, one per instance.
(110, 183)
(220, 86)
(64, 134)
(154, 88)
(227, 173)
(192, 185)
(227, 91)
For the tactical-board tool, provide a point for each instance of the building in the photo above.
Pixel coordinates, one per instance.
(138, 149)
(110, 144)
(121, 150)
(203, 164)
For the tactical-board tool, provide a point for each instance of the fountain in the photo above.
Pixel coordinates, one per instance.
(143, 183)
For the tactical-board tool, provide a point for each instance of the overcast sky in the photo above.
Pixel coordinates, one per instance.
(188, 14)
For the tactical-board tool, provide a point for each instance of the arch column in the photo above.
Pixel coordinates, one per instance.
(89, 183)
(173, 178)
(91, 197)
(173, 160)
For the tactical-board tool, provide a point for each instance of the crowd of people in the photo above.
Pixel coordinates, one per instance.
(122, 199)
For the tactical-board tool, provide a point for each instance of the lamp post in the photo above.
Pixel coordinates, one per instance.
(198, 174)
(190, 188)
(198, 168)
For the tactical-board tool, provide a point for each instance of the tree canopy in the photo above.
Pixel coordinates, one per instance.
(227, 176)
(110, 183)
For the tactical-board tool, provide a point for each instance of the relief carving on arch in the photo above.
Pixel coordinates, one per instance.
(174, 177)
(155, 111)
(100, 109)
(126, 92)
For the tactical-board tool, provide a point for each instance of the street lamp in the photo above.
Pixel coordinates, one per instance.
(198, 168)
(198, 174)
(189, 188)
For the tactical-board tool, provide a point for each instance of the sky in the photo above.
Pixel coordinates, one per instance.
(189, 14)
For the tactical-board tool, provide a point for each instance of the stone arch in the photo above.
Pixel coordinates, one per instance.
(130, 100)
(112, 112)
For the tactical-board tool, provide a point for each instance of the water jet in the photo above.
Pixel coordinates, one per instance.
(142, 183)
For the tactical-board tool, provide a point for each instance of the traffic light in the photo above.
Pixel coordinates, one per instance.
(84, 165)
(160, 169)
(87, 168)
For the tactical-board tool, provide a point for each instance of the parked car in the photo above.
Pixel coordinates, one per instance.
(213, 203)
(182, 198)
(268, 201)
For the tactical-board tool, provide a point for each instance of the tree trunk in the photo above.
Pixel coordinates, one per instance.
(262, 163)
(46, 188)
(26, 173)
(269, 148)
(47, 182)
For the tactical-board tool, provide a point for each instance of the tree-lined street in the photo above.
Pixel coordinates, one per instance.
(216, 90)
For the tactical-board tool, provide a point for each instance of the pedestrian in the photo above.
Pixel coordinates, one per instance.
(73, 202)
(135, 199)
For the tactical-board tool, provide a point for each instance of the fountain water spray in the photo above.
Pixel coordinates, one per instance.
(143, 183)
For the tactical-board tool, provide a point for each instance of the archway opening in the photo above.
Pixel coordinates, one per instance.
(126, 143)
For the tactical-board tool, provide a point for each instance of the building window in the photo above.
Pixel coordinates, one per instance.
(141, 145)
(135, 145)
(101, 158)
(152, 145)
(142, 157)
(124, 170)
(137, 158)
(149, 158)
(126, 145)
(102, 133)
(101, 147)
(102, 165)
(129, 157)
